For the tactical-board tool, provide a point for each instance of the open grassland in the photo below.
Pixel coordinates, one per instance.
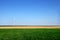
(30, 34)
(27, 27)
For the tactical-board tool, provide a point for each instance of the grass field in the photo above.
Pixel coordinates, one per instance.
(30, 34)
(26, 27)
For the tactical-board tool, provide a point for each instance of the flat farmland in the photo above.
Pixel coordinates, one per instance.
(27, 27)
(29, 32)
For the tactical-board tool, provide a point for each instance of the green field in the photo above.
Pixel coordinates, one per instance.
(29, 34)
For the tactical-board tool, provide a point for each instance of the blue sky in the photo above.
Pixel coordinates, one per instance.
(29, 12)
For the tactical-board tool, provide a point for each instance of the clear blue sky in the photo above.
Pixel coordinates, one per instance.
(29, 12)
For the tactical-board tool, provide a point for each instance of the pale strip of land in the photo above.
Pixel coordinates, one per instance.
(29, 27)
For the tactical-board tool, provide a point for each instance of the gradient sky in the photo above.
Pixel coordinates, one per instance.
(29, 12)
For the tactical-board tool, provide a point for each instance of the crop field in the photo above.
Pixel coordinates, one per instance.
(27, 27)
(30, 34)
